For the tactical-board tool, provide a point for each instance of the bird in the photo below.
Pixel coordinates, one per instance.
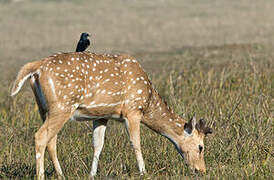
(83, 43)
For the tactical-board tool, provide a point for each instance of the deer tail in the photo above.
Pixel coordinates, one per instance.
(25, 73)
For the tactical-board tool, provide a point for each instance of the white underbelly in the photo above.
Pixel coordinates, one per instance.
(78, 116)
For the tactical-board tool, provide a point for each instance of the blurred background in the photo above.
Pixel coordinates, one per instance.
(31, 29)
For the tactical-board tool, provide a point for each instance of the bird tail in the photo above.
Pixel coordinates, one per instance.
(25, 73)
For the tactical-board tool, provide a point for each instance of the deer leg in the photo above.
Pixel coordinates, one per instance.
(44, 135)
(99, 128)
(39, 96)
(133, 129)
(53, 155)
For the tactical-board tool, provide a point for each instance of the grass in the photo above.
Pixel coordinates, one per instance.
(229, 85)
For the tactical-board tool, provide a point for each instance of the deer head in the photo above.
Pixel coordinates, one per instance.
(191, 144)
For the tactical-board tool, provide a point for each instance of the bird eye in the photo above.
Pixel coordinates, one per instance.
(200, 148)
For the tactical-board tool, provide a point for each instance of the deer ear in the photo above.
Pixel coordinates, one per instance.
(201, 125)
(208, 130)
(202, 128)
(189, 126)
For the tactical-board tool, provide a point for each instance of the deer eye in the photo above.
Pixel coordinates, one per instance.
(200, 148)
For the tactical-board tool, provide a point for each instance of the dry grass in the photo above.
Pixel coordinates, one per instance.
(181, 46)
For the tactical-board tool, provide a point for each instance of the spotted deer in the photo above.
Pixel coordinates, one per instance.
(85, 86)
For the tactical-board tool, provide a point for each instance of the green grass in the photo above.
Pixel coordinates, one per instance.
(234, 94)
(231, 86)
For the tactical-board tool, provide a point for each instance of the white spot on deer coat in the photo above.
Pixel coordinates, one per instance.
(179, 125)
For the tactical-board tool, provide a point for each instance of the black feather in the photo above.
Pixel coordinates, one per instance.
(83, 43)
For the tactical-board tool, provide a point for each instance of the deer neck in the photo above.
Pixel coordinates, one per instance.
(160, 118)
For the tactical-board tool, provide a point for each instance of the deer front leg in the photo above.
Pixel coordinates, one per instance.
(53, 155)
(99, 128)
(133, 129)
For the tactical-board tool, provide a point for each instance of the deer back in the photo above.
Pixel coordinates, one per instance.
(102, 82)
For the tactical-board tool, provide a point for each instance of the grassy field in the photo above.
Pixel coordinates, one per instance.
(211, 58)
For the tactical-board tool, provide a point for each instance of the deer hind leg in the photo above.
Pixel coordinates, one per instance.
(133, 128)
(45, 135)
(53, 155)
(99, 128)
(39, 96)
